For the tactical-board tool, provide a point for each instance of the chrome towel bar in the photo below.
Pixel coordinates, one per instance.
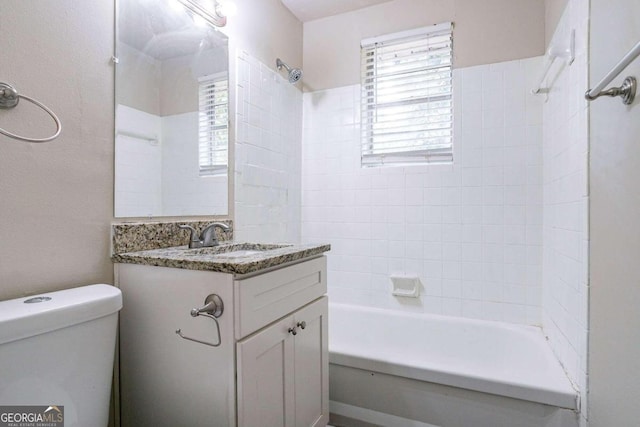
(9, 98)
(628, 89)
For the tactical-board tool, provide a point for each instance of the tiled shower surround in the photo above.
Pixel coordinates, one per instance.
(267, 154)
(474, 232)
(471, 231)
(565, 284)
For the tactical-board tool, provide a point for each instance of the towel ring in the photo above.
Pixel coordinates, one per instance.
(9, 98)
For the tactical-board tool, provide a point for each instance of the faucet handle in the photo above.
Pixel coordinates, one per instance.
(188, 227)
(194, 234)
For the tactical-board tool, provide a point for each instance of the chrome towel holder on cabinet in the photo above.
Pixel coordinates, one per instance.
(9, 98)
(213, 308)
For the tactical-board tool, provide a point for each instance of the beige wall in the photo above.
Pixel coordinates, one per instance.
(179, 81)
(614, 342)
(482, 34)
(56, 198)
(552, 12)
(267, 30)
(138, 76)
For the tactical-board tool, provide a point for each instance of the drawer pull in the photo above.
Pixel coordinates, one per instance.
(302, 324)
(293, 331)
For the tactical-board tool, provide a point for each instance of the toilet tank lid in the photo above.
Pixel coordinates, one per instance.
(56, 310)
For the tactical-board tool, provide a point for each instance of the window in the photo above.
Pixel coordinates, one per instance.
(213, 124)
(407, 115)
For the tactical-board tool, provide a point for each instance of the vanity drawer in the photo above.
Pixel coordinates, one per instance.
(267, 297)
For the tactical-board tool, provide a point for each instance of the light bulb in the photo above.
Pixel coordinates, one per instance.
(176, 6)
(199, 20)
(226, 8)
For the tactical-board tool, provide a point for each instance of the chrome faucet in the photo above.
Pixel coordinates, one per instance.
(207, 237)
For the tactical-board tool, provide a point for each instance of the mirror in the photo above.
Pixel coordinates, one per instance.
(172, 112)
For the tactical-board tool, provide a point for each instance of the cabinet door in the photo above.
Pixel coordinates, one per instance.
(266, 377)
(312, 365)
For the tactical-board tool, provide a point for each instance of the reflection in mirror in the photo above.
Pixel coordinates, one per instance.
(171, 112)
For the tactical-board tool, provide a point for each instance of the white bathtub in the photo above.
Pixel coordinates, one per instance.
(400, 369)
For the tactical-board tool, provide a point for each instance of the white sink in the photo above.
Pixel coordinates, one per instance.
(234, 250)
(240, 253)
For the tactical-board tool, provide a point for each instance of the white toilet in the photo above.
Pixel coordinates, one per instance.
(57, 349)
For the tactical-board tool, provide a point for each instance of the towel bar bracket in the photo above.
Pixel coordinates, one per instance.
(8, 96)
(627, 91)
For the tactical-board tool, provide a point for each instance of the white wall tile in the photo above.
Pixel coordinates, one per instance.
(138, 178)
(565, 196)
(453, 225)
(268, 180)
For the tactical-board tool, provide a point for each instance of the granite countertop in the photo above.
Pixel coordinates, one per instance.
(216, 258)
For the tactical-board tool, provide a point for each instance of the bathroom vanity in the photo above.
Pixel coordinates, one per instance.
(265, 362)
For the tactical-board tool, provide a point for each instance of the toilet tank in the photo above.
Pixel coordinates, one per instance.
(57, 349)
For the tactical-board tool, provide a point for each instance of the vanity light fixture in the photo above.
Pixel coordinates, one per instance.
(199, 12)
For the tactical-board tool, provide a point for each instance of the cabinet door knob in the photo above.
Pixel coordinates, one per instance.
(293, 331)
(302, 324)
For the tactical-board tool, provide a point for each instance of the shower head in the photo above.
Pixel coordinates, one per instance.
(295, 74)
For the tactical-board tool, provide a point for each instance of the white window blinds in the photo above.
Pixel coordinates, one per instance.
(407, 115)
(213, 125)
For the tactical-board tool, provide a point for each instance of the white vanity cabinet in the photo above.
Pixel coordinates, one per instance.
(269, 370)
(280, 374)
